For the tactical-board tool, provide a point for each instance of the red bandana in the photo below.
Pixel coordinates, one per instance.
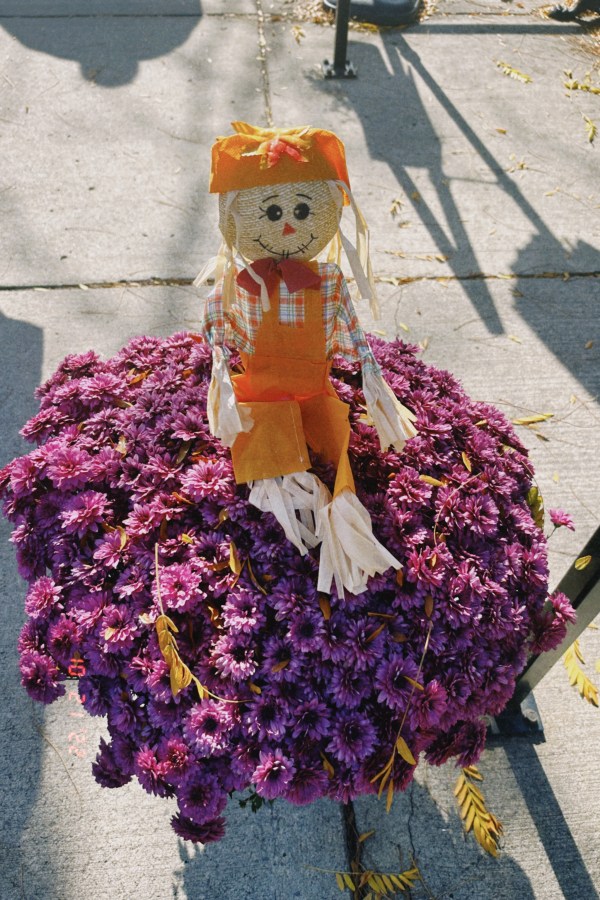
(296, 276)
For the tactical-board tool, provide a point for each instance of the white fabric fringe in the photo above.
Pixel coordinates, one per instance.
(350, 552)
(392, 420)
(225, 418)
(300, 493)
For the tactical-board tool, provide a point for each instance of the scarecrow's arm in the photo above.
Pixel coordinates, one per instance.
(393, 421)
(225, 418)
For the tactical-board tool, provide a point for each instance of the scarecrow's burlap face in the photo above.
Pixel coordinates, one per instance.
(284, 221)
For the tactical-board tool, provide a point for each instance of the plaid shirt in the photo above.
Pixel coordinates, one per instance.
(240, 323)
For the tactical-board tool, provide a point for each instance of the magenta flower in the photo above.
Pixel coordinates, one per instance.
(180, 587)
(85, 512)
(208, 726)
(43, 598)
(69, 469)
(561, 519)
(109, 551)
(118, 628)
(212, 479)
(273, 775)
(151, 772)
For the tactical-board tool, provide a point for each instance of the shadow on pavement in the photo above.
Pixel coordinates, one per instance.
(552, 827)
(108, 48)
(20, 741)
(563, 311)
(417, 146)
(452, 866)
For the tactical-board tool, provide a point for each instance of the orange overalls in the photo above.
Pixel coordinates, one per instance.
(293, 404)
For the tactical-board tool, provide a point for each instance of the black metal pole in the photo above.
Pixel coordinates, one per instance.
(582, 587)
(340, 68)
(581, 584)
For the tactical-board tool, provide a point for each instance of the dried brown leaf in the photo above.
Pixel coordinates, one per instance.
(404, 751)
(325, 606)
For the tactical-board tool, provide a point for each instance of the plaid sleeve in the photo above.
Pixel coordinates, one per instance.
(238, 325)
(213, 321)
(349, 338)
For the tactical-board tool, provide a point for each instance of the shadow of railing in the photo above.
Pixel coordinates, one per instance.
(551, 825)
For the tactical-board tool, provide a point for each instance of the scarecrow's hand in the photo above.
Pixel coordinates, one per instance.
(225, 418)
(393, 421)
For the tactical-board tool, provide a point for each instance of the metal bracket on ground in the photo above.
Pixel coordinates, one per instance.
(517, 720)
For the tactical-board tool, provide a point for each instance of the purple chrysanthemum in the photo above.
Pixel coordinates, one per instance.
(208, 726)
(39, 677)
(273, 774)
(125, 461)
(307, 785)
(106, 769)
(353, 737)
(202, 798)
(311, 720)
(207, 833)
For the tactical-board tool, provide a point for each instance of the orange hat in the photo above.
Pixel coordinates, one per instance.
(262, 156)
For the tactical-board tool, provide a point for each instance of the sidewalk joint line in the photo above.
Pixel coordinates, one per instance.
(264, 69)
(352, 844)
(156, 281)
(62, 16)
(196, 15)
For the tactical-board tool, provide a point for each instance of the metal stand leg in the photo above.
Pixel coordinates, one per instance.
(582, 587)
(341, 67)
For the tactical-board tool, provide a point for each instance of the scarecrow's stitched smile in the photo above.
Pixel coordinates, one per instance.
(291, 211)
(285, 254)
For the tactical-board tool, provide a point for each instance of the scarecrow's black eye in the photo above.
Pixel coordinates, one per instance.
(274, 212)
(301, 211)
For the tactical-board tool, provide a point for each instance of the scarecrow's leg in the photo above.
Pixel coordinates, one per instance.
(295, 500)
(273, 458)
(350, 552)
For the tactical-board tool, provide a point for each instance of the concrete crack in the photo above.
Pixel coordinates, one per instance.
(411, 798)
(264, 68)
(157, 281)
(100, 285)
(351, 842)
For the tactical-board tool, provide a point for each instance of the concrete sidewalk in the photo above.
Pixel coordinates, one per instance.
(483, 196)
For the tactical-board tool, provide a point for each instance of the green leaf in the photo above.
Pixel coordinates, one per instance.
(513, 73)
(535, 502)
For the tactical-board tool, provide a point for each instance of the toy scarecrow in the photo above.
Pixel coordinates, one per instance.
(281, 195)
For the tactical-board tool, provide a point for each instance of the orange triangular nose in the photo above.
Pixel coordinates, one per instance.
(287, 229)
